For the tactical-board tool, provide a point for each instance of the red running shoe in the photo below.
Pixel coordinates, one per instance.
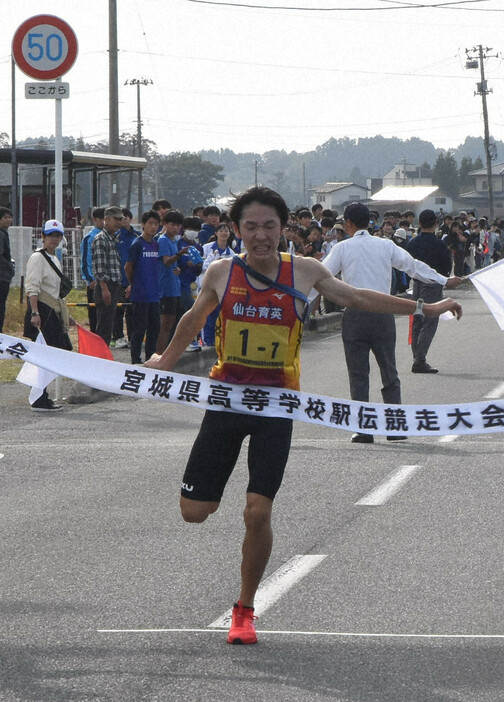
(242, 629)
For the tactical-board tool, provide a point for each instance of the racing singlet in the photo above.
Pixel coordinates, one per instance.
(258, 332)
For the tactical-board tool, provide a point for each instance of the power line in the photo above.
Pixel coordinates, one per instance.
(451, 5)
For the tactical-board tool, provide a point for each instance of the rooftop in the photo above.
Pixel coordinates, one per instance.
(497, 169)
(332, 187)
(404, 193)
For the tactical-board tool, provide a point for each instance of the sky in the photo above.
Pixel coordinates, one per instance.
(257, 75)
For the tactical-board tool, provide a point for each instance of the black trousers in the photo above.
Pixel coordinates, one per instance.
(4, 292)
(424, 328)
(363, 332)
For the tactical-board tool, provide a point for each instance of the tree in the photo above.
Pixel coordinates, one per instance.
(466, 166)
(445, 173)
(187, 180)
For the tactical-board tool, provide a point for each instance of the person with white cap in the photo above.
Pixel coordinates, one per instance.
(47, 311)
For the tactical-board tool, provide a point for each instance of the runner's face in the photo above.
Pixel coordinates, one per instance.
(260, 229)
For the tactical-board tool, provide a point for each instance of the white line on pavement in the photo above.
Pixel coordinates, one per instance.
(276, 585)
(496, 393)
(306, 633)
(392, 483)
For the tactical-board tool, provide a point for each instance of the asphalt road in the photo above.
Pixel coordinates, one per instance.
(108, 596)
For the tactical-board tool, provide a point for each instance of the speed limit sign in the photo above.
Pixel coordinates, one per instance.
(44, 47)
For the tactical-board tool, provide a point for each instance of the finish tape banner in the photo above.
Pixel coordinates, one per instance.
(205, 393)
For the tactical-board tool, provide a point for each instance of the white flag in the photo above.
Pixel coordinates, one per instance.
(489, 282)
(35, 376)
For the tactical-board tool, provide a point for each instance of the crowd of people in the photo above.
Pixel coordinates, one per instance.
(175, 252)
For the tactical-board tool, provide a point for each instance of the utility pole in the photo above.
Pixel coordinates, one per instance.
(475, 57)
(256, 165)
(113, 98)
(138, 82)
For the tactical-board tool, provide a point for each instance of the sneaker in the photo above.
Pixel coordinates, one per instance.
(49, 406)
(362, 438)
(193, 348)
(242, 629)
(121, 343)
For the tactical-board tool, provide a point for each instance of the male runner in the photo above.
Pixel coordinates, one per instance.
(258, 334)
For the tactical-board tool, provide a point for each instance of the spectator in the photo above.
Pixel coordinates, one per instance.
(189, 265)
(125, 238)
(427, 247)
(211, 215)
(141, 270)
(107, 272)
(47, 311)
(304, 218)
(169, 283)
(6, 264)
(317, 210)
(213, 252)
(161, 206)
(86, 264)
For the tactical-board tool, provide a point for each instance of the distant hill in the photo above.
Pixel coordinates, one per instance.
(336, 160)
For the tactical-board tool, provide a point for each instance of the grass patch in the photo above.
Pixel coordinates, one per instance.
(14, 324)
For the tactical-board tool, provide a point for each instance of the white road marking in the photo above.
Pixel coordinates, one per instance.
(306, 633)
(276, 585)
(496, 393)
(392, 483)
(448, 438)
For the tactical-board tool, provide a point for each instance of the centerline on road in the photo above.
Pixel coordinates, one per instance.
(389, 487)
(275, 586)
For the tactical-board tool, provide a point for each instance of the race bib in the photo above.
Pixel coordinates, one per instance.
(256, 345)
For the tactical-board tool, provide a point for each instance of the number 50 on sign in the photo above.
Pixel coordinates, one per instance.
(44, 47)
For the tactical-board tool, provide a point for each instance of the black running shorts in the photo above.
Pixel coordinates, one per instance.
(217, 448)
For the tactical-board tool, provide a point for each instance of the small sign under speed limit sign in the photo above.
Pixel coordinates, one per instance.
(44, 47)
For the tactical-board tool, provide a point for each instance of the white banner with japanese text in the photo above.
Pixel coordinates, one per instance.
(205, 393)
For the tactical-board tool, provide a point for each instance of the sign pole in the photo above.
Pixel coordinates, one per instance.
(14, 170)
(58, 161)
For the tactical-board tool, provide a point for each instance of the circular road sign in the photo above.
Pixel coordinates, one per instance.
(44, 47)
